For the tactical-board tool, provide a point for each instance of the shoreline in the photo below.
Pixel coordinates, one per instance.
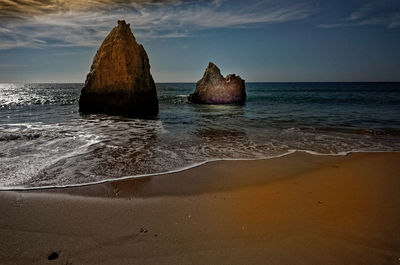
(189, 167)
(296, 209)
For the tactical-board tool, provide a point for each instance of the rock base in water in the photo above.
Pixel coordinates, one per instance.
(213, 88)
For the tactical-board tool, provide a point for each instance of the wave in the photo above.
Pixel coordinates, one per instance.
(188, 167)
(13, 137)
(174, 99)
(37, 142)
(345, 130)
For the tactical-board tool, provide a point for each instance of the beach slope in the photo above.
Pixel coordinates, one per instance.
(297, 209)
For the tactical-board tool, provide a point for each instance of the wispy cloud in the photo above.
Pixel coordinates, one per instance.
(34, 23)
(384, 13)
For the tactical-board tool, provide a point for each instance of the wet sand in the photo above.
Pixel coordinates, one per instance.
(297, 209)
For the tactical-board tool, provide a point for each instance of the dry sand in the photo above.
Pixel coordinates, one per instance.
(297, 209)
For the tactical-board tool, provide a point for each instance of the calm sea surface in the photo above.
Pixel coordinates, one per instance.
(44, 141)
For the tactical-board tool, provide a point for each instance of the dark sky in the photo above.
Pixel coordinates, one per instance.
(287, 40)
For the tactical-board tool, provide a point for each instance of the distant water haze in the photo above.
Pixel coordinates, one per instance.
(44, 141)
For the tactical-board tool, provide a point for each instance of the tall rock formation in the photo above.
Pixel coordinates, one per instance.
(119, 81)
(213, 88)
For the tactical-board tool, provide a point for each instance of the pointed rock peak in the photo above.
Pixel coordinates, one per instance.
(213, 73)
(122, 24)
(212, 67)
(211, 64)
(122, 29)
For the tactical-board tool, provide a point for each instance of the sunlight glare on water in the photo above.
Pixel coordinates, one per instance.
(44, 141)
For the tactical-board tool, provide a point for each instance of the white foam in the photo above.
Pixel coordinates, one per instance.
(292, 151)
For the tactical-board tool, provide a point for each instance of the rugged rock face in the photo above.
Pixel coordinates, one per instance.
(213, 88)
(119, 81)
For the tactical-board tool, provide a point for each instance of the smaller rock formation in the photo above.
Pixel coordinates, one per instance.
(119, 81)
(213, 88)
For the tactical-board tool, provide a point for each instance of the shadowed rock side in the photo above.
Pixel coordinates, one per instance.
(213, 88)
(119, 81)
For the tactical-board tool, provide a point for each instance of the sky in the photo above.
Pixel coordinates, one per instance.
(262, 41)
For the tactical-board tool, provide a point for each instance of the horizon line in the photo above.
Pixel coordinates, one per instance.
(183, 82)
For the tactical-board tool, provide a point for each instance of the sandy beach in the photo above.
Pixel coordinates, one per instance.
(208, 132)
(297, 209)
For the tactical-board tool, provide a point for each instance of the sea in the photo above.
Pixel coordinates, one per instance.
(46, 142)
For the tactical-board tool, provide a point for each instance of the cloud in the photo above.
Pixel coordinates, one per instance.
(43, 23)
(383, 13)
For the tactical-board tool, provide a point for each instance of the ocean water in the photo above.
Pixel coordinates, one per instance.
(44, 141)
